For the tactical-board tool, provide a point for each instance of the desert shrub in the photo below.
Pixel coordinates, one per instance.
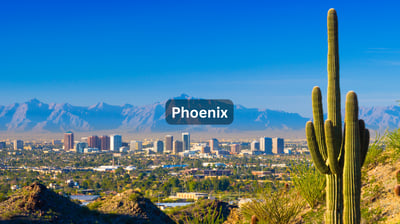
(3, 197)
(372, 215)
(309, 182)
(372, 192)
(375, 153)
(94, 205)
(393, 139)
(279, 207)
(135, 196)
(211, 217)
(398, 176)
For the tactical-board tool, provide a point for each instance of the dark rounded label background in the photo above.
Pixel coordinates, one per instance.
(198, 105)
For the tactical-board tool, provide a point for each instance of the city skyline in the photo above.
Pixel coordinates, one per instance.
(261, 55)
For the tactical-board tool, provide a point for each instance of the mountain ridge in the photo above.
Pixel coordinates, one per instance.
(41, 117)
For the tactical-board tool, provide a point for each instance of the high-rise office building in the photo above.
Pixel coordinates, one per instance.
(278, 145)
(266, 145)
(136, 145)
(94, 142)
(186, 141)
(255, 146)
(80, 147)
(105, 142)
(177, 147)
(115, 142)
(18, 144)
(214, 145)
(158, 146)
(169, 139)
(205, 149)
(235, 149)
(2, 145)
(68, 141)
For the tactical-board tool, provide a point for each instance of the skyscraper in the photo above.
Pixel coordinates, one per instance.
(177, 147)
(115, 142)
(68, 141)
(278, 145)
(205, 149)
(18, 144)
(214, 145)
(169, 139)
(235, 149)
(186, 141)
(105, 142)
(266, 145)
(255, 146)
(94, 142)
(158, 146)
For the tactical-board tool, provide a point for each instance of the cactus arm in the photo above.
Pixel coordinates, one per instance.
(334, 113)
(313, 147)
(333, 152)
(361, 123)
(318, 117)
(352, 163)
(364, 146)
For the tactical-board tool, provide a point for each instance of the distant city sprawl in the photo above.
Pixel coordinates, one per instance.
(173, 167)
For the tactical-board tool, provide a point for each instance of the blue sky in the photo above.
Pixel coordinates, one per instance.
(266, 54)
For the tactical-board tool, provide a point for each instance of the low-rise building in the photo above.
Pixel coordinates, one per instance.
(191, 195)
(261, 173)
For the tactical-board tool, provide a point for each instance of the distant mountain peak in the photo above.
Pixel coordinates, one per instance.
(99, 105)
(34, 101)
(40, 117)
(183, 96)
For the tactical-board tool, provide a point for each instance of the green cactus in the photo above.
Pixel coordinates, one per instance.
(338, 159)
(356, 147)
(325, 141)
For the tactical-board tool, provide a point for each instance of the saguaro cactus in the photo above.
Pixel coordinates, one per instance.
(335, 155)
(325, 141)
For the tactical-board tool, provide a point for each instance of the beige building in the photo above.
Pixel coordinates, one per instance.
(191, 195)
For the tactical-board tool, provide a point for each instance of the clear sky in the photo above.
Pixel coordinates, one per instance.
(265, 54)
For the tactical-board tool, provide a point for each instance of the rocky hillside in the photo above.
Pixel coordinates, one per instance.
(204, 211)
(132, 204)
(379, 203)
(37, 204)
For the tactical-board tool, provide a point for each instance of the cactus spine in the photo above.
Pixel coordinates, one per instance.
(339, 158)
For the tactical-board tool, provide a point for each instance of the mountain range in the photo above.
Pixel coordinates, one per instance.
(37, 116)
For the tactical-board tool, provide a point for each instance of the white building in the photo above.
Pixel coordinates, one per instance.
(255, 146)
(18, 144)
(115, 142)
(266, 145)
